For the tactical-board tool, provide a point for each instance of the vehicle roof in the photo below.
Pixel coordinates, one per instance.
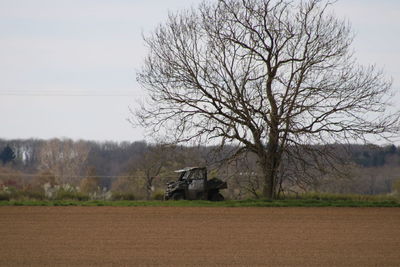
(189, 169)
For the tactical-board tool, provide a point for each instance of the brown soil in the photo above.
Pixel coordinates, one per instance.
(167, 236)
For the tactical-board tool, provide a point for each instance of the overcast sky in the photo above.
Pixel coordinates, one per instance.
(67, 67)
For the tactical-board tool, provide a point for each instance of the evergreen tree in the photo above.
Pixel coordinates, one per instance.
(7, 155)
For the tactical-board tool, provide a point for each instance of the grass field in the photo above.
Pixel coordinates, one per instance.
(199, 236)
(308, 200)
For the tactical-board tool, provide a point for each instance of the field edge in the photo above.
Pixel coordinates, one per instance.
(200, 203)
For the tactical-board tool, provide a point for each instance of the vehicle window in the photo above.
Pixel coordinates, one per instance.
(197, 175)
(186, 175)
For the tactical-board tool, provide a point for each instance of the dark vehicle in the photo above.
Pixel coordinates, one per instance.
(193, 184)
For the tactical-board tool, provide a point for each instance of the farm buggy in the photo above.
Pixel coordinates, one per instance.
(193, 185)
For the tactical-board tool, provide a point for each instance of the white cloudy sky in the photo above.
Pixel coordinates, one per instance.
(67, 67)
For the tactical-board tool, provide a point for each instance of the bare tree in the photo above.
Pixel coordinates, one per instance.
(151, 165)
(273, 77)
(66, 159)
(91, 183)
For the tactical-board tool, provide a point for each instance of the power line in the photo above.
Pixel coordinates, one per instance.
(62, 93)
(75, 176)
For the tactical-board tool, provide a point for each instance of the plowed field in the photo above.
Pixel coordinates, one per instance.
(173, 236)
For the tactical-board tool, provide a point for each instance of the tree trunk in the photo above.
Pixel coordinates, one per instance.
(268, 182)
(149, 187)
(270, 164)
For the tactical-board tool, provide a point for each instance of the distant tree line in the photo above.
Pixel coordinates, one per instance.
(140, 169)
(373, 156)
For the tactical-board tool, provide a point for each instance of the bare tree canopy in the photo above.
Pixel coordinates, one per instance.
(264, 74)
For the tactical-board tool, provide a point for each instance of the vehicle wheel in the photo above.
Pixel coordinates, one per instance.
(217, 197)
(177, 196)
